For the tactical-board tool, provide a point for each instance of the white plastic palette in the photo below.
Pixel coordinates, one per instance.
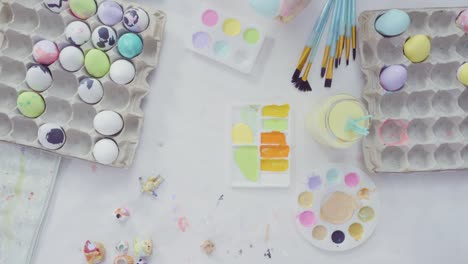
(226, 39)
(345, 193)
(260, 153)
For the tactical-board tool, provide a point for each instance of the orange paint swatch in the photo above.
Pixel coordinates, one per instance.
(274, 165)
(273, 138)
(274, 151)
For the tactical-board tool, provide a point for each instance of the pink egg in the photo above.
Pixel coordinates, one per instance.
(45, 52)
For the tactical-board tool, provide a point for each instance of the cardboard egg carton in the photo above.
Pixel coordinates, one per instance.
(424, 126)
(25, 22)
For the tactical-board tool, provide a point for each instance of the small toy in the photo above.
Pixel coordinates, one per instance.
(142, 261)
(151, 184)
(121, 214)
(122, 247)
(208, 247)
(143, 248)
(94, 252)
(124, 259)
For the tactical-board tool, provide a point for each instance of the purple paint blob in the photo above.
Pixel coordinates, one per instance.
(352, 179)
(210, 18)
(338, 237)
(314, 182)
(201, 40)
(55, 136)
(307, 218)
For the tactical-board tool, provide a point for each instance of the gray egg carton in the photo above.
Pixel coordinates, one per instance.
(23, 23)
(424, 126)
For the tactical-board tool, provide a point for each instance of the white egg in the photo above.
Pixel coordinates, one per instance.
(56, 5)
(71, 58)
(90, 90)
(104, 38)
(105, 151)
(108, 123)
(77, 33)
(122, 71)
(38, 77)
(51, 136)
(135, 19)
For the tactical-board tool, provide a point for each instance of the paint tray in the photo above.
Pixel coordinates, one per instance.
(260, 151)
(25, 22)
(423, 126)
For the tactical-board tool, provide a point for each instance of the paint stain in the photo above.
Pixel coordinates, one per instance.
(242, 134)
(363, 194)
(274, 165)
(338, 237)
(251, 246)
(221, 198)
(281, 111)
(319, 232)
(267, 253)
(338, 208)
(240, 251)
(352, 179)
(30, 196)
(9, 197)
(366, 214)
(332, 175)
(356, 230)
(314, 182)
(17, 193)
(267, 233)
(247, 160)
(183, 224)
(306, 199)
(273, 138)
(276, 125)
(93, 168)
(307, 218)
(281, 151)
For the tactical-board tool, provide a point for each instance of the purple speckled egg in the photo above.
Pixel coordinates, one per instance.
(110, 13)
(393, 78)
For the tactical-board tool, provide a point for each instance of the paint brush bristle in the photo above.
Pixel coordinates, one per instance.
(322, 72)
(295, 76)
(328, 83)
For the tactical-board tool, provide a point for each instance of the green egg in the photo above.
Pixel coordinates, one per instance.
(83, 9)
(30, 104)
(97, 63)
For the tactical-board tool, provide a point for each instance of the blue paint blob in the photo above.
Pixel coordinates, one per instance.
(332, 175)
(338, 237)
(221, 48)
(314, 182)
(130, 45)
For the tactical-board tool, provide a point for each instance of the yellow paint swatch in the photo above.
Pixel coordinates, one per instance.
(281, 111)
(231, 27)
(274, 165)
(306, 199)
(242, 134)
(356, 230)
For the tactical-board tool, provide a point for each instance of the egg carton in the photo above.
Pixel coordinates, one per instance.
(423, 126)
(25, 22)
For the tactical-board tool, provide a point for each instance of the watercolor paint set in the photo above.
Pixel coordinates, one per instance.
(337, 207)
(260, 152)
(73, 75)
(420, 119)
(226, 39)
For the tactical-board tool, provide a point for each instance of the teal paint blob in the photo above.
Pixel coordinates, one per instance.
(221, 48)
(268, 8)
(333, 175)
(130, 45)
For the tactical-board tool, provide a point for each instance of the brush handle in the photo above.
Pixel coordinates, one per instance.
(349, 9)
(342, 17)
(319, 23)
(333, 31)
(353, 12)
(321, 29)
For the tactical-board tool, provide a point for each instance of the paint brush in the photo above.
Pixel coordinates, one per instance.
(303, 84)
(348, 30)
(353, 27)
(341, 32)
(330, 40)
(334, 35)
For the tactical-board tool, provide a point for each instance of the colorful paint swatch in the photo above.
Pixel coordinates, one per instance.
(273, 138)
(281, 111)
(242, 134)
(275, 125)
(274, 165)
(247, 160)
(272, 152)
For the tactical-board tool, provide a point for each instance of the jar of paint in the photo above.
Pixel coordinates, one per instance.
(339, 121)
(283, 10)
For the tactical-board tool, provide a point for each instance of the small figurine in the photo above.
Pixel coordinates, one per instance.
(208, 247)
(142, 261)
(151, 184)
(122, 247)
(143, 248)
(94, 252)
(121, 213)
(124, 259)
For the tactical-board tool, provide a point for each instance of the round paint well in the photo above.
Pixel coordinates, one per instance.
(356, 230)
(307, 218)
(231, 27)
(314, 182)
(366, 214)
(352, 179)
(338, 237)
(210, 18)
(251, 36)
(332, 175)
(319, 232)
(201, 40)
(221, 48)
(306, 199)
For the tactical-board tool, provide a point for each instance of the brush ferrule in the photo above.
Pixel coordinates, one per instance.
(306, 73)
(329, 74)
(353, 31)
(325, 56)
(348, 48)
(303, 59)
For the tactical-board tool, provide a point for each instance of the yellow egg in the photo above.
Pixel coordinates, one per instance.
(417, 48)
(462, 74)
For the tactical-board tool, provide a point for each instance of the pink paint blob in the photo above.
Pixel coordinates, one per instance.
(352, 179)
(210, 18)
(307, 218)
(183, 224)
(45, 52)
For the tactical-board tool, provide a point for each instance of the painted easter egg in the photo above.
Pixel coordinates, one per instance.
(104, 38)
(45, 52)
(90, 90)
(135, 19)
(130, 45)
(94, 252)
(56, 6)
(462, 20)
(268, 8)
(108, 123)
(38, 77)
(462, 74)
(417, 48)
(393, 77)
(122, 71)
(392, 23)
(97, 63)
(51, 136)
(83, 9)
(71, 58)
(110, 13)
(77, 33)
(30, 104)
(105, 151)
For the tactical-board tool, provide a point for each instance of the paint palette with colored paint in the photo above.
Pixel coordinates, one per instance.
(336, 207)
(226, 39)
(260, 153)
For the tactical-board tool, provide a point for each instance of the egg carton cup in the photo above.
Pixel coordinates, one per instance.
(25, 22)
(424, 126)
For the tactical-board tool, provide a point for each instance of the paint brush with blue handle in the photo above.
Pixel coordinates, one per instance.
(310, 41)
(341, 32)
(303, 84)
(353, 26)
(333, 34)
(328, 44)
(348, 30)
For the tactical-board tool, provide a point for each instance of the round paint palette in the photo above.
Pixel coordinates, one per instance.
(337, 207)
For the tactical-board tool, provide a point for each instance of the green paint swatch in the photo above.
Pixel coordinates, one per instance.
(248, 161)
(251, 36)
(275, 124)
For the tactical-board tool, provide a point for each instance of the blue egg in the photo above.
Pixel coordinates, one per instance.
(394, 22)
(130, 45)
(268, 8)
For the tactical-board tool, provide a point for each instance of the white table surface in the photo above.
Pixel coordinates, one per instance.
(185, 138)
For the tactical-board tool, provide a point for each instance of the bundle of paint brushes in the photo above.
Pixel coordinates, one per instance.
(341, 39)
